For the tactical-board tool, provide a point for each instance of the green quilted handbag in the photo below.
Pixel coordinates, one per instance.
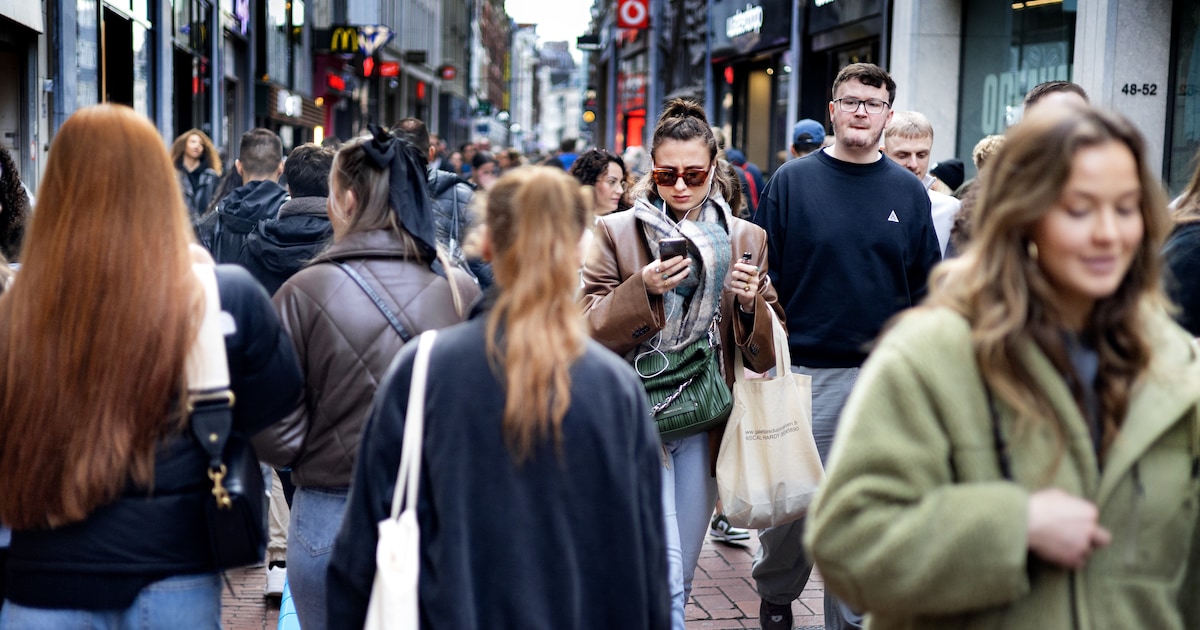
(687, 393)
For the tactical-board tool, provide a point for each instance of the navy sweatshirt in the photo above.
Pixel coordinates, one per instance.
(849, 245)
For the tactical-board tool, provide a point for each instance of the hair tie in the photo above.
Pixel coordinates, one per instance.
(408, 194)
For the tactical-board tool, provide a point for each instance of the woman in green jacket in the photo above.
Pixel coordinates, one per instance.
(1023, 451)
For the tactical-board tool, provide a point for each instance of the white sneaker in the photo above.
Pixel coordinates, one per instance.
(721, 529)
(276, 576)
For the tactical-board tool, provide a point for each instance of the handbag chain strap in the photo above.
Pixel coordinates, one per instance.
(210, 400)
(379, 303)
(714, 336)
(671, 398)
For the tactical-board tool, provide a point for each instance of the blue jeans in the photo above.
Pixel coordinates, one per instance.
(184, 601)
(316, 519)
(689, 495)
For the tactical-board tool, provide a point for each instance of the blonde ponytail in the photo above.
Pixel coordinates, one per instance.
(535, 218)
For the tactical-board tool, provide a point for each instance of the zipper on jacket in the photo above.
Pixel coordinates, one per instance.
(1139, 495)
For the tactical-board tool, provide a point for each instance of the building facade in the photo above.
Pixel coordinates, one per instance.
(966, 64)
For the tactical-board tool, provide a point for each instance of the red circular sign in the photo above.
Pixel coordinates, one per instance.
(448, 73)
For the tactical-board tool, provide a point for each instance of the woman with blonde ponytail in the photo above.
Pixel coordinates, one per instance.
(537, 445)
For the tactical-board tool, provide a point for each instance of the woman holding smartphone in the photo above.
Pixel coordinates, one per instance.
(641, 298)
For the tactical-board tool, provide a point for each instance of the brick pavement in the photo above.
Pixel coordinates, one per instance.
(246, 608)
(723, 594)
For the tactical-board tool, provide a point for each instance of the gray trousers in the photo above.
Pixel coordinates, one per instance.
(780, 569)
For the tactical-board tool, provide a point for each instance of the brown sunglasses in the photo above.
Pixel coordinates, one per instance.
(668, 177)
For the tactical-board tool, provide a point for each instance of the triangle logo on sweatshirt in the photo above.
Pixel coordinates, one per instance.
(893, 218)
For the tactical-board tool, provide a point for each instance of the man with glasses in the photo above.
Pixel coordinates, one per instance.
(850, 243)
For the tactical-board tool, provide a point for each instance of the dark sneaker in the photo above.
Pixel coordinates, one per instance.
(721, 529)
(774, 616)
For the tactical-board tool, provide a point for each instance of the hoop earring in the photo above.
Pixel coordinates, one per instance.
(1031, 249)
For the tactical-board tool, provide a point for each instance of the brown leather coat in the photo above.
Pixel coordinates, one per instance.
(621, 314)
(345, 346)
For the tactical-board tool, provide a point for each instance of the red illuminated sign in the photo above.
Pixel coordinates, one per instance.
(633, 14)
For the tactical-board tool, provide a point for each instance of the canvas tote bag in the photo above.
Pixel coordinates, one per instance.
(394, 602)
(768, 469)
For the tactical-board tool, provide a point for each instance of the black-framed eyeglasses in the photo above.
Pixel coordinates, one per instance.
(851, 105)
(668, 176)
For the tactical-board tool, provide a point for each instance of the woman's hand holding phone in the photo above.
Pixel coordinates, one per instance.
(669, 269)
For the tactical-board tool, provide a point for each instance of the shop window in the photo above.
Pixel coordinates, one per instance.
(1008, 48)
(1183, 155)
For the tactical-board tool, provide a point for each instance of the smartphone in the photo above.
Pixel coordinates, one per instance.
(746, 257)
(669, 248)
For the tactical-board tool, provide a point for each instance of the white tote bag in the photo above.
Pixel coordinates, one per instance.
(394, 602)
(768, 469)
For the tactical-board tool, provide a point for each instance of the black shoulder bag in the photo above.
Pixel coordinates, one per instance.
(237, 511)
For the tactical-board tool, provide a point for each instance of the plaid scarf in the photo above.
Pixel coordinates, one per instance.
(689, 309)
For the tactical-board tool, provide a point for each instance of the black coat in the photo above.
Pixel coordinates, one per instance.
(454, 214)
(1181, 255)
(224, 231)
(279, 247)
(197, 197)
(507, 546)
(146, 535)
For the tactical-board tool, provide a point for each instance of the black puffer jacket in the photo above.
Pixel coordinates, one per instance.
(279, 247)
(452, 210)
(146, 535)
(224, 231)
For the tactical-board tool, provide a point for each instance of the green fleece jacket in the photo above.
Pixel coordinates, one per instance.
(916, 525)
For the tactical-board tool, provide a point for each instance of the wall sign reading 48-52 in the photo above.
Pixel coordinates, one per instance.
(1145, 89)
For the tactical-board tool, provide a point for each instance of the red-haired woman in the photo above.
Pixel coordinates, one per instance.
(525, 476)
(105, 486)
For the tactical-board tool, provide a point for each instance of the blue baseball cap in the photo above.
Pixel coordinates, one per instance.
(814, 129)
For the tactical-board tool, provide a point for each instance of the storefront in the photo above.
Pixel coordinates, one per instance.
(633, 76)
(1183, 146)
(291, 115)
(1008, 48)
(20, 27)
(192, 66)
(751, 75)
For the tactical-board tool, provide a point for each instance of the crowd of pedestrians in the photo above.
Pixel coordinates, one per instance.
(1005, 382)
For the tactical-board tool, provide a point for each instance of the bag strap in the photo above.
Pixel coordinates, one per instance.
(452, 279)
(409, 473)
(209, 399)
(783, 353)
(379, 303)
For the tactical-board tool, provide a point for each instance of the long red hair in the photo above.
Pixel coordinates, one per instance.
(95, 332)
